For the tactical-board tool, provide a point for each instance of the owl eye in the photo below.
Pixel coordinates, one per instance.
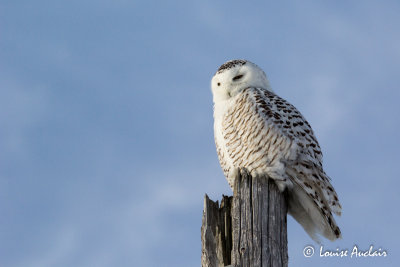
(237, 77)
(218, 84)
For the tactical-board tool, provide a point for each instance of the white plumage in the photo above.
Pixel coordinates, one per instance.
(257, 130)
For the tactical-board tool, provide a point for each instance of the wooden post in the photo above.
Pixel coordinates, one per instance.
(246, 230)
(216, 233)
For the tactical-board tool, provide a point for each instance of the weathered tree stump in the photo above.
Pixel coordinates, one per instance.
(216, 232)
(248, 229)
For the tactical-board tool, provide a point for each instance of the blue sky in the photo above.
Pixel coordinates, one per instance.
(106, 138)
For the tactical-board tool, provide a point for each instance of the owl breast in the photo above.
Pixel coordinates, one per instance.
(247, 137)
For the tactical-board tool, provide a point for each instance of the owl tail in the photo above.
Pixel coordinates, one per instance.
(312, 212)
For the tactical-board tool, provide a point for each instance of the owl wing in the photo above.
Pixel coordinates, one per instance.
(265, 134)
(309, 155)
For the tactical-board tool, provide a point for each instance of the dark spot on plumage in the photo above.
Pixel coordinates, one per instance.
(269, 113)
(301, 123)
(316, 176)
(230, 64)
(290, 117)
(288, 122)
(307, 185)
(303, 134)
(264, 106)
(294, 124)
(307, 131)
(330, 188)
(335, 197)
(306, 166)
(329, 221)
(337, 232)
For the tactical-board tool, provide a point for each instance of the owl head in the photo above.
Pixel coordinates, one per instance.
(234, 76)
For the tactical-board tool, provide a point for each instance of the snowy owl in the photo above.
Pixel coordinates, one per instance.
(256, 129)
